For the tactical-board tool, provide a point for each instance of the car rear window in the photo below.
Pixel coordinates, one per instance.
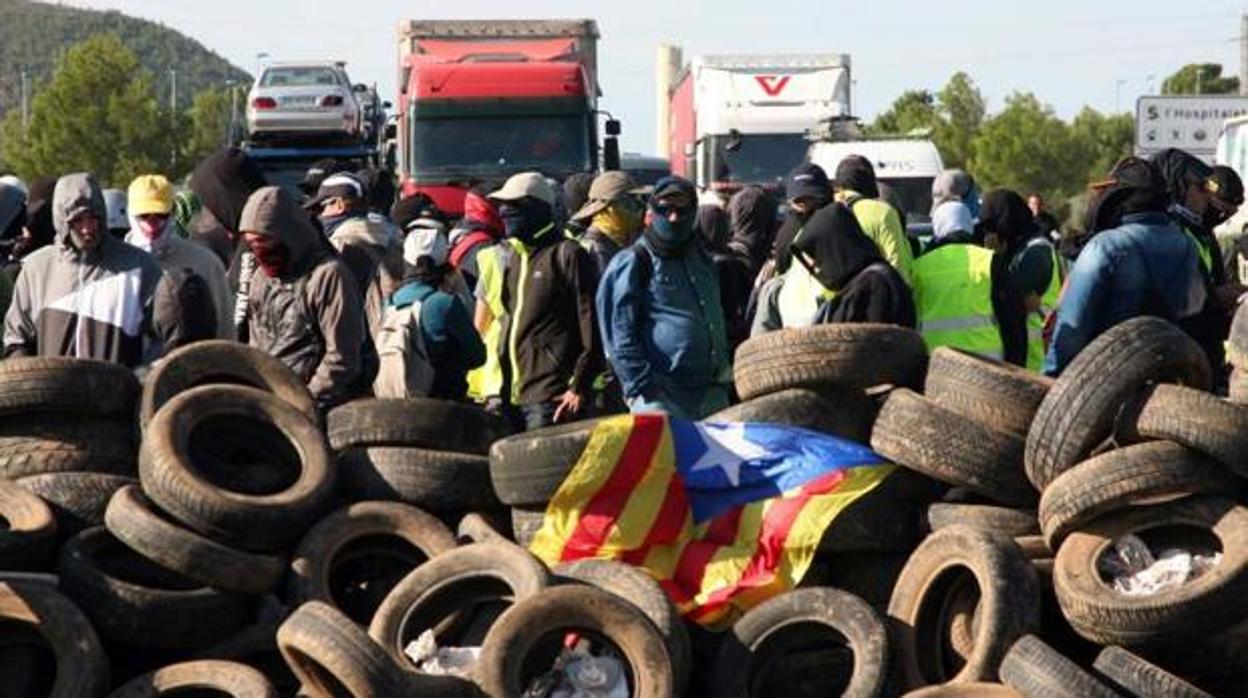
(299, 77)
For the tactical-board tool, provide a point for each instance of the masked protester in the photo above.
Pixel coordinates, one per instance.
(304, 304)
(88, 295)
(660, 313)
(857, 188)
(12, 221)
(1143, 265)
(551, 347)
(614, 215)
(806, 190)
(153, 229)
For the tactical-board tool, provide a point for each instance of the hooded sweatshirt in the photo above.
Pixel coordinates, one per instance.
(95, 304)
(174, 253)
(375, 259)
(310, 316)
(844, 260)
(752, 221)
(480, 227)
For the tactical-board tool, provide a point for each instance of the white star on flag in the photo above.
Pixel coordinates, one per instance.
(727, 449)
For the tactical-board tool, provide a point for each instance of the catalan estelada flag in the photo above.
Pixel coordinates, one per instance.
(725, 516)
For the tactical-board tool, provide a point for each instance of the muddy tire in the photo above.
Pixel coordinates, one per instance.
(1141, 677)
(82, 669)
(921, 435)
(999, 586)
(1200, 421)
(527, 469)
(77, 386)
(227, 678)
(414, 423)
(237, 465)
(848, 414)
(352, 558)
(1079, 412)
(522, 628)
(49, 443)
(442, 481)
(28, 536)
(1033, 668)
(222, 362)
(845, 356)
(1008, 522)
(78, 500)
(994, 393)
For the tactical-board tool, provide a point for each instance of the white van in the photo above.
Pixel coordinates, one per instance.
(1233, 152)
(907, 165)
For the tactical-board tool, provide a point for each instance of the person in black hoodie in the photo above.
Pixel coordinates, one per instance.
(223, 182)
(867, 288)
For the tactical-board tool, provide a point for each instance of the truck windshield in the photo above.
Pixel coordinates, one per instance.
(760, 158)
(552, 145)
(915, 196)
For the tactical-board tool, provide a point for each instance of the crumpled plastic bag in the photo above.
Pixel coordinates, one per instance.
(441, 661)
(1137, 572)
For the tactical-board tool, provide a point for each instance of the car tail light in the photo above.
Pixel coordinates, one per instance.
(331, 101)
(264, 103)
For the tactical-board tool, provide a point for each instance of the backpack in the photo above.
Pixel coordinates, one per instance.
(405, 367)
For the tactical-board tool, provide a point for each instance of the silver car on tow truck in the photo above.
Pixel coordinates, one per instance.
(307, 98)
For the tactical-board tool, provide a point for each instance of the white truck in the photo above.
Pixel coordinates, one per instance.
(731, 120)
(906, 164)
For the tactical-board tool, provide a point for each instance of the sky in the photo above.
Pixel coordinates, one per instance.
(1070, 53)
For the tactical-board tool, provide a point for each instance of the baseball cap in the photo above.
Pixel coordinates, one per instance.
(426, 242)
(341, 185)
(807, 179)
(607, 187)
(150, 194)
(526, 185)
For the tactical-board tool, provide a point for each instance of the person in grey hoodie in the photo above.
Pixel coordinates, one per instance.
(304, 304)
(88, 295)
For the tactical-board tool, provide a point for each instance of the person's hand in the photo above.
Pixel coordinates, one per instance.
(1227, 295)
(569, 405)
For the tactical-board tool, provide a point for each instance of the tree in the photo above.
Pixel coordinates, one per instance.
(1200, 79)
(209, 123)
(1104, 140)
(1027, 148)
(961, 109)
(914, 109)
(97, 114)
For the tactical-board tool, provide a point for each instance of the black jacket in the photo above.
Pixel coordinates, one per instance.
(551, 324)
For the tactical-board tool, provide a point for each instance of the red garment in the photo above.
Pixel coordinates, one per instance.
(479, 210)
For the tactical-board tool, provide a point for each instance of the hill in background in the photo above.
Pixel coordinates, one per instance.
(35, 35)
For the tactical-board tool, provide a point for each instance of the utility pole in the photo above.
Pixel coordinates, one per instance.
(25, 99)
(1243, 54)
(173, 117)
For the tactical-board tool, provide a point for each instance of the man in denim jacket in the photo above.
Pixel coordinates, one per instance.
(660, 314)
(1143, 265)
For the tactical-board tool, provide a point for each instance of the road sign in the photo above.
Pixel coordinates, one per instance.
(1191, 123)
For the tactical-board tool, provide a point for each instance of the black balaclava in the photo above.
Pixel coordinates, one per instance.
(833, 247)
(1006, 213)
(528, 220)
(672, 238)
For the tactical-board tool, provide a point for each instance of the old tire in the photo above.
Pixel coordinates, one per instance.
(45, 443)
(28, 535)
(1034, 669)
(1079, 412)
(846, 356)
(965, 690)
(1200, 607)
(1237, 391)
(641, 590)
(225, 678)
(527, 469)
(223, 460)
(414, 423)
(78, 500)
(848, 414)
(959, 561)
(442, 481)
(134, 601)
(523, 628)
(888, 519)
(1148, 472)
(994, 393)
(919, 434)
(1141, 677)
(475, 528)
(525, 523)
(1008, 522)
(78, 386)
(1200, 421)
(82, 669)
(329, 654)
(352, 558)
(782, 624)
(132, 519)
(222, 362)
(443, 593)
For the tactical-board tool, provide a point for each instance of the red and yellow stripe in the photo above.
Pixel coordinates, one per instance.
(625, 500)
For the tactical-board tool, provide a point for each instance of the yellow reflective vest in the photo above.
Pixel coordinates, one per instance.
(953, 296)
(1048, 303)
(487, 380)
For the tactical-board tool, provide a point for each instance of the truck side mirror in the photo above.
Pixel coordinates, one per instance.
(392, 131)
(387, 105)
(613, 127)
(734, 141)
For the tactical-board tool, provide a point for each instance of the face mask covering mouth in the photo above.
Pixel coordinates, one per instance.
(671, 237)
(271, 256)
(526, 221)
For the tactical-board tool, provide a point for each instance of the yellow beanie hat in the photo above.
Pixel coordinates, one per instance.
(150, 194)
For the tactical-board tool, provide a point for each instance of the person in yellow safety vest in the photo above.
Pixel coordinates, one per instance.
(1191, 187)
(856, 187)
(963, 292)
(1010, 228)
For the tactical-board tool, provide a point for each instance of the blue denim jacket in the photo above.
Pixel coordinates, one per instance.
(1145, 266)
(667, 342)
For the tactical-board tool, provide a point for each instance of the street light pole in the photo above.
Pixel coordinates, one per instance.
(173, 117)
(25, 99)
